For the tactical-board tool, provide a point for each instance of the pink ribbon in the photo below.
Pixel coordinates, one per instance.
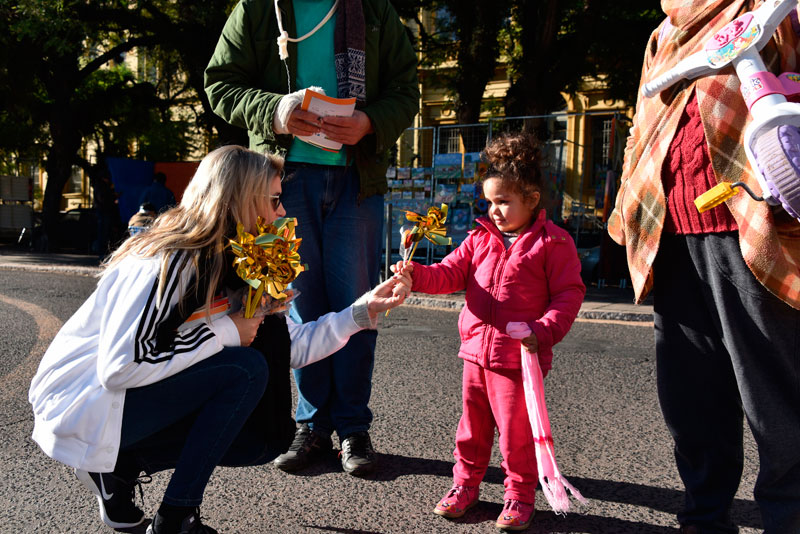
(554, 485)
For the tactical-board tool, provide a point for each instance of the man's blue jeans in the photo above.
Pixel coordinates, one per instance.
(342, 246)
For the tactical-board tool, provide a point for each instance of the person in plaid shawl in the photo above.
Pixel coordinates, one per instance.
(726, 283)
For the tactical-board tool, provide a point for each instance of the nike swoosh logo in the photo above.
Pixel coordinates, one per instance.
(106, 496)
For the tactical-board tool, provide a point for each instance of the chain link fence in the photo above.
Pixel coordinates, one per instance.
(435, 165)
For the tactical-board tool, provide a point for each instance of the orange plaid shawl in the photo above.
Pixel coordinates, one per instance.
(769, 239)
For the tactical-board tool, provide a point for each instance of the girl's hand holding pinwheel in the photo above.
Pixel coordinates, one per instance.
(430, 227)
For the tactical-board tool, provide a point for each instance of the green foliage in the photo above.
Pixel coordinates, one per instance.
(64, 85)
(617, 45)
(548, 46)
(61, 69)
(166, 140)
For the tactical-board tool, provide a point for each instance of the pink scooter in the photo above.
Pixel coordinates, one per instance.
(772, 139)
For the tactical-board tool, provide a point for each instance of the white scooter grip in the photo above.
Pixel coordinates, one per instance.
(691, 67)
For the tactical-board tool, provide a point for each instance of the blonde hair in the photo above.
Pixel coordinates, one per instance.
(225, 190)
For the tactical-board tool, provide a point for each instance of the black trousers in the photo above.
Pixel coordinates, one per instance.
(726, 347)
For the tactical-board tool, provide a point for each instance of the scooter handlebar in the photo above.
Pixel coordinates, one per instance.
(691, 67)
(652, 88)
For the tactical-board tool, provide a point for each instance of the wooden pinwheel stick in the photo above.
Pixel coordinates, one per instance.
(405, 262)
(253, 301)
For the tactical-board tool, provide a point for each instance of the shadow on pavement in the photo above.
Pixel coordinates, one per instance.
(744, 512)
(340, 530)
(548, 522)
(393, 466)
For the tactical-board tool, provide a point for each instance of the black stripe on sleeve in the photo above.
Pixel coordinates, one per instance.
(145, 344)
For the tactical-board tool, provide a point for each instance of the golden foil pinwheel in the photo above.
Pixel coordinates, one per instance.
(268, 261)
(429, 226)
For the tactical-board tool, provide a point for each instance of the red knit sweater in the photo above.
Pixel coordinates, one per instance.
(686, 174)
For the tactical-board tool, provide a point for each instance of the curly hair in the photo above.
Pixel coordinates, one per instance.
(516, 159)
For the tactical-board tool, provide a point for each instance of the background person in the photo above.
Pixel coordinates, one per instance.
(132, 383)
(157, 194)
(142, 219)
(726, 285)
(362, 50)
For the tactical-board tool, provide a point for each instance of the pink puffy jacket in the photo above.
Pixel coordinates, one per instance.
(537, 280)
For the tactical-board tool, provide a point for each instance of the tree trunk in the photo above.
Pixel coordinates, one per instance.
(536, 90)
(61, 156)
(478, 25)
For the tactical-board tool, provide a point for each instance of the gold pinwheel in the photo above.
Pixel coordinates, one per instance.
(429, 226)
(268, 261)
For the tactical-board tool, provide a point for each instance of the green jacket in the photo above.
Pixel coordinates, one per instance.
(245, 79)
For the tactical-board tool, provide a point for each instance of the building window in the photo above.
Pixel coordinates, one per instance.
(75, 182)
(607, 133)
(449, 140)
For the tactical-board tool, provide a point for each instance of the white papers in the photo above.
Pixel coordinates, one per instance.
(325, 106)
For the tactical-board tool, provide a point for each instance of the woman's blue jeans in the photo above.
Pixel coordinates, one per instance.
(342, 247)
(204, 416)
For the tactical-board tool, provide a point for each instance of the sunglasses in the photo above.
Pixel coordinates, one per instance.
(275, 202)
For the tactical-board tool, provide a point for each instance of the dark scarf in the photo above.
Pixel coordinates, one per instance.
(348, 49)
(273, 414)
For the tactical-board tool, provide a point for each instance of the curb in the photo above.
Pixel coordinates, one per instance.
(454, 305)
(627, 317)
(431, 302)
(63, 269)
(607, 315)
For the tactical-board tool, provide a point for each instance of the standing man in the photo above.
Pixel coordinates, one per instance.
(158, 194)
(726, 284)
(349, 48)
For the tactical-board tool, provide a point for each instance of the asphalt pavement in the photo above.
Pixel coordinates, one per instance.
(611, 442)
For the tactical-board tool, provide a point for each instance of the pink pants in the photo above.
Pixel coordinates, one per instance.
(495, 398)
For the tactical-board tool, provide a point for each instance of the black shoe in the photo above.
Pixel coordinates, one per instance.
(306, 447)
(358, 456)
(190, 524)
(115, 497)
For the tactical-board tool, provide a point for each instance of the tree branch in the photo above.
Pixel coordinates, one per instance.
(113, 53)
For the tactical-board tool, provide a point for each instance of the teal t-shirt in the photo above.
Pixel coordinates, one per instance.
(315, 66)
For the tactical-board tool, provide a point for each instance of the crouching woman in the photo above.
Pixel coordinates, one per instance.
(129, 385)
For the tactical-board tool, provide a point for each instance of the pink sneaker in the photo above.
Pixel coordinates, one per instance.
(457, 501)
(516, 515)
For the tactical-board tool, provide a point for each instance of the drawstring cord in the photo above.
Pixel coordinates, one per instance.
(283, 38)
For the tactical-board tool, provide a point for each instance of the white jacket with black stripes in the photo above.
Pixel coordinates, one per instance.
(112, 344)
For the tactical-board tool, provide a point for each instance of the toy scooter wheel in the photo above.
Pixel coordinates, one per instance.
(778, 156)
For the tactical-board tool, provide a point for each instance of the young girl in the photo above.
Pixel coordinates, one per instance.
(515, 266)
(128, 385)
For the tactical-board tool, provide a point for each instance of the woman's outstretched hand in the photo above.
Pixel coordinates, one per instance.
(389, 294)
